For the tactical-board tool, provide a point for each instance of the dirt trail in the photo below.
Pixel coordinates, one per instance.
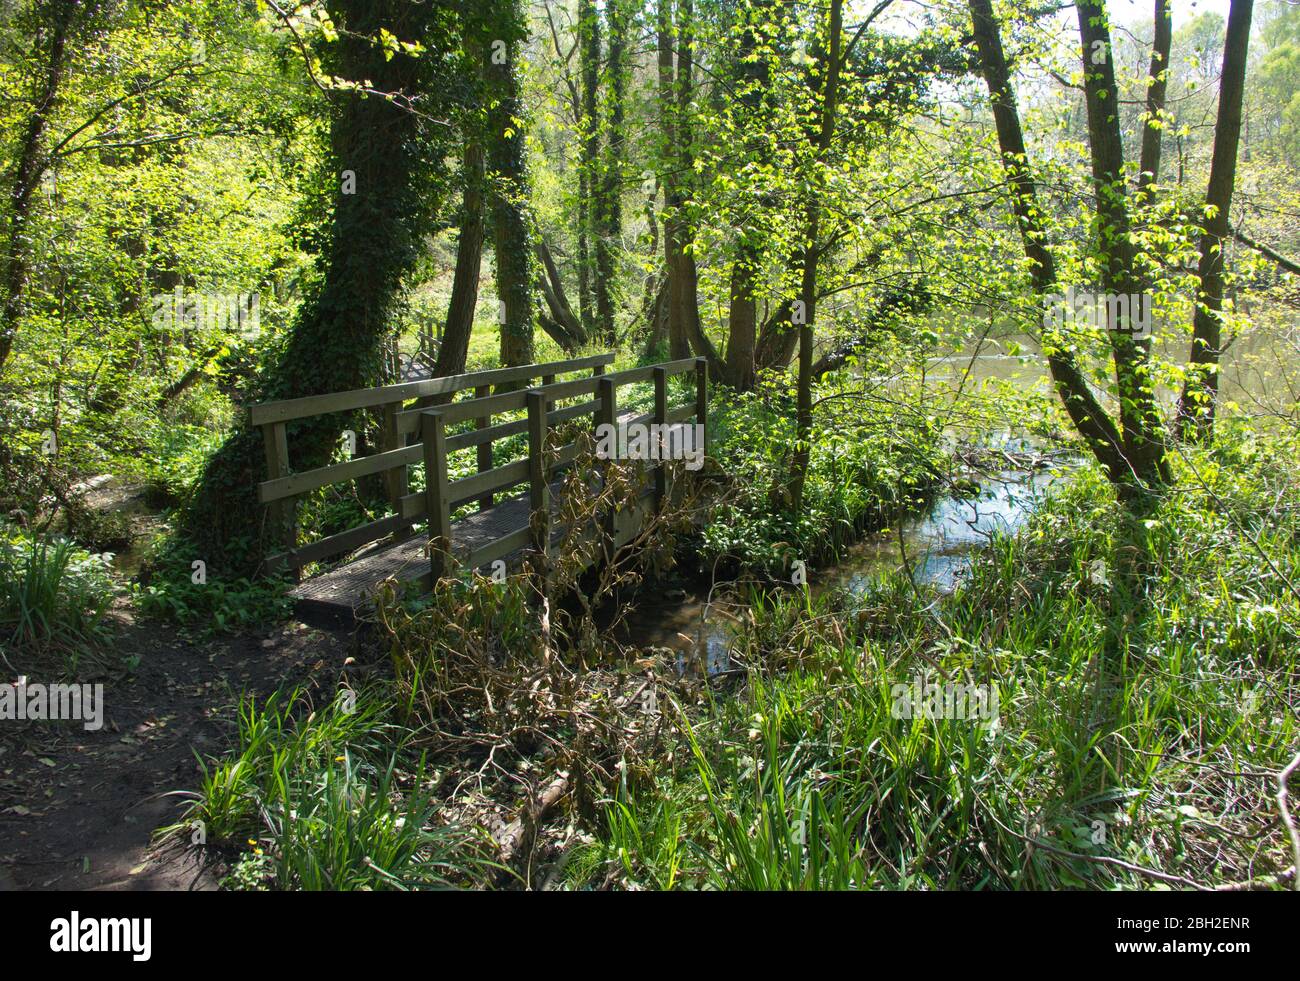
(78, 809)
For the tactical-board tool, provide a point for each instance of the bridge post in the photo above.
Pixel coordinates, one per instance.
(607, 415)
(436, 497)
(395, 480)
(275, 442)
(661, 423)
(484, 451)
(539, 489)
(597, 372)
(549, 380)
(702, 398)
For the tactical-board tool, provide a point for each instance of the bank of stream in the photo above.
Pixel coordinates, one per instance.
(935, 545)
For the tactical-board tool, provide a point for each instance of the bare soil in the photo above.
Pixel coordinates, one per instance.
(78, 809)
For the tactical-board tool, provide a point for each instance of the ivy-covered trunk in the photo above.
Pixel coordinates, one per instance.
(386, 150)
(508, 174)
(54, 24)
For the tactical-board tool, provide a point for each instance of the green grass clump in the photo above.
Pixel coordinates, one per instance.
(203, 599)
(327, 800)
(53, 597)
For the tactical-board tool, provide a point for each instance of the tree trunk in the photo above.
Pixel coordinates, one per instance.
(1201, 389)
(1139, 412)
(56, 25)
(778, 337)
(609, 210)
(584, 249)
(752, 75)
(808, 286)
(562, 324)
(508, 166)
(678, 344)
(1157, 86)
(469, 259)
(742, 320)
(589, 44)
(685, 329)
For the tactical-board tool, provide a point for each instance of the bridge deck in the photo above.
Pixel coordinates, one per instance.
(341, 594)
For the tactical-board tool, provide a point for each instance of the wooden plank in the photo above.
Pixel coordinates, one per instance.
(571, 389)
(501, 430)
(275, 444)
(646, 372)
(344, 541)
(513, 401)
(490, 434)
(565, 455)
(608, 412)
(596, 372)
(396, 481)
(409, 421)
(608, 416)
(335, 473)
(435, 489)
(499, 478)
(412, 505)
(499, 549)
(313, 405)
(681, 413)
(702, 399)
(573, 412)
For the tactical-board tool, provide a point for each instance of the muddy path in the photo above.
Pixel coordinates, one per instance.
(78, 809)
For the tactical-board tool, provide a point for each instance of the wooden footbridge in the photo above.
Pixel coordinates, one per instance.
(426, 422)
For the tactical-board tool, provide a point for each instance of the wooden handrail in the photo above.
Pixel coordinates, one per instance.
(286, 410)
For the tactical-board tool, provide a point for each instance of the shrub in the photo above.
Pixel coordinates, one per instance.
(217, 604)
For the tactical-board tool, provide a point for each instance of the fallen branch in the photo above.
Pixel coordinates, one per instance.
(517, 831)
(1265, 250)
(1250, 885)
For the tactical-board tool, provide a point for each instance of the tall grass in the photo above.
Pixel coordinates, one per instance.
(1147, 679)
(53, 596)
(328, 800)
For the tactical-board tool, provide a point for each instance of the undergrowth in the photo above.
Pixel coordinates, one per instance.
(1147, 682)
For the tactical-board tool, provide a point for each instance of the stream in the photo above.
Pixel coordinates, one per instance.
(937, 545)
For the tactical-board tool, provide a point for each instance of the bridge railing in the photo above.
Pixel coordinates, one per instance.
(442, 495)
(282, 486)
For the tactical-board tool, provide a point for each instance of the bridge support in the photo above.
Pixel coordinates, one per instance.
(436, 497)
(539, 489)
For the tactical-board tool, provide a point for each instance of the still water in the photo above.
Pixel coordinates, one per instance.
(935, 545)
